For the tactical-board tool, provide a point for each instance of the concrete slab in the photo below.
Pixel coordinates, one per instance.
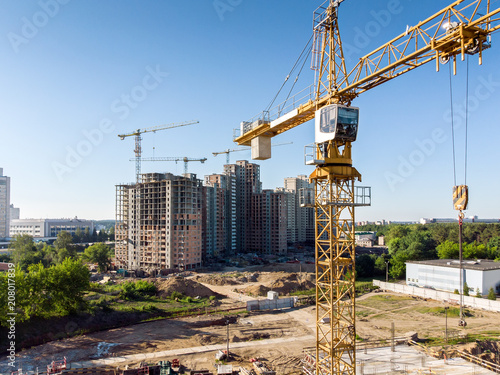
(408, 360)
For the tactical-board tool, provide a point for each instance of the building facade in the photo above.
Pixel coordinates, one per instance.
(269, 222)
(48, 227)
(247, 183)
(444, 274)
(4, 205)
(219, 212)
(300, 217)
(159, 223)
(15, 212)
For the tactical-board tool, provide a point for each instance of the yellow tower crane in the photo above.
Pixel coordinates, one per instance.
(138, 138)
(456, 30)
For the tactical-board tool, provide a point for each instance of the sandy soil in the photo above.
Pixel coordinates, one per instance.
(375, 313)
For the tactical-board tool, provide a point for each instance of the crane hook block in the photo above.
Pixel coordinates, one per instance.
(460, 197)
(337, 122)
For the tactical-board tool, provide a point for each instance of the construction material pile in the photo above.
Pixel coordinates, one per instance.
(261, 282)
(187, 287)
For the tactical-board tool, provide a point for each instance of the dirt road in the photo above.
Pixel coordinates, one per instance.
(277, 337)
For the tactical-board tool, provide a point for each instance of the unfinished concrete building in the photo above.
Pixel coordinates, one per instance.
(300, 217)
(247, 177)
(159, 223)
(219, 215)
(269, 222)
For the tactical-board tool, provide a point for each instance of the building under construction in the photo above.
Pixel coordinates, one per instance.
(159, 223)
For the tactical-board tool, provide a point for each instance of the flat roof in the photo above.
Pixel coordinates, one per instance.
(480, 264)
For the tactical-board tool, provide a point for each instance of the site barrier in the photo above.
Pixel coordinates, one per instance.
(271, 304)
(438, 295)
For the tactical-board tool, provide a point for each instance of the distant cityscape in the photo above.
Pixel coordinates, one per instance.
(180, 222)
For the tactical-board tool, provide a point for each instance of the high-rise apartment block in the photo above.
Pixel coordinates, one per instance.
(300, 217)
(269, 223)
(219, 213)
(176, 222)
(159, 223)
(4, 205)
(247, 184)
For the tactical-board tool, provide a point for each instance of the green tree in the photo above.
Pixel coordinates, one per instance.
(46, 291)
(475, 251)
(364, 265)
(111, 234)
(94, 237)
(64, 240)
(478, 293)
(398, 264)
(86, 235)
(491, 294)
(98, 253)
(379, 268)
(102, 236)
(466, 289)
(448, 250)
(24, 251)
(67, 282)
(78, 236)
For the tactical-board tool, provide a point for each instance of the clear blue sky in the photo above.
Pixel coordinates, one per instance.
(74, 70)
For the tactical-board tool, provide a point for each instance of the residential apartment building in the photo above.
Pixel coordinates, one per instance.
(247, 184)
(269, 222)
(159, 223)
(300, 216)
(4, 205)
(219, 215)
(48, 227)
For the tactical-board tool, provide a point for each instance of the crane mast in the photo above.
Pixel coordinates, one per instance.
(453, 31)
(138, 139)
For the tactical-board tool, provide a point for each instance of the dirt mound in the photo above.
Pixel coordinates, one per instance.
(217, 280)
(293, 283)
(257, 290)
(187, 287)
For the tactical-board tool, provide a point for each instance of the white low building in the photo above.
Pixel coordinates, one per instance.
(444, 274)
(48, 227)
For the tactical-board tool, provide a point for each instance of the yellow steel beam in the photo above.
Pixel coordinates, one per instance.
(427, 41)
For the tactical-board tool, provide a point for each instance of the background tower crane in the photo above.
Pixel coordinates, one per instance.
(186, 160)
(138, 138)
(228, 151)
(463, 27)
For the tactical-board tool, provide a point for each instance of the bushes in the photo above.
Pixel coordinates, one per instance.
(137, 290)
(491, 295)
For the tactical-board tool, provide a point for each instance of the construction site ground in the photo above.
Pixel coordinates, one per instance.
(276, 337)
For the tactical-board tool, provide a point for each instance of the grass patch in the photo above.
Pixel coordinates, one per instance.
(308, 292)
(453, 312)
(385, 302)
(362, 313)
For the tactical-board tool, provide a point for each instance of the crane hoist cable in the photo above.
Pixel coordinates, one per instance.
(466, 118)
(466, 124)
(291, 71)
(300, 71)
(452, 129)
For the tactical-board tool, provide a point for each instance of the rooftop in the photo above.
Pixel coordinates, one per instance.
(479, 264)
